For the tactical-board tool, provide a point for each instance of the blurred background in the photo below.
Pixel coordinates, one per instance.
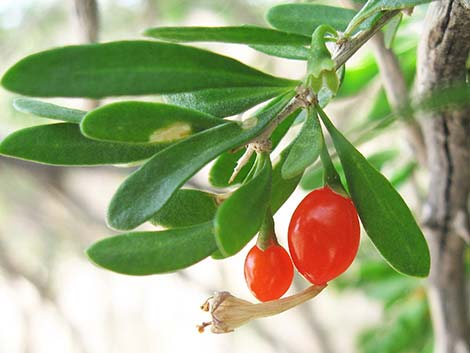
(53, 300)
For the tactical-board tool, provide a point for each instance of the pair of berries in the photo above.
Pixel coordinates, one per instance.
(323, 239)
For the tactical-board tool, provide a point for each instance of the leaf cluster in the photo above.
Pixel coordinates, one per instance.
(172, 141)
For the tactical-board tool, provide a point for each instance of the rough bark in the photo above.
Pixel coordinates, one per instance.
(443, 51)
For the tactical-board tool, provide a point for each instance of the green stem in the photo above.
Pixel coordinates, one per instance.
(267, 234)
(331, 177)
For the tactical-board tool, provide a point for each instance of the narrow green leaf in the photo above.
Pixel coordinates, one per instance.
(130, 68)
(63, 144)
(306, 147)
(224, 165)
(48, 110)
(144, 122)
(186, 207)
(236, 34)
(239, 217)
(320, 59)
(281, 188)
(225, 102)
(294, 52)
(146, 190)
(384, 215)
(304, 18)
(147, 253)
(373, 7)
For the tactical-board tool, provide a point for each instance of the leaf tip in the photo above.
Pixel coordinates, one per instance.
(6, 80)
(148, 32)
(116, 220)
(93, 254)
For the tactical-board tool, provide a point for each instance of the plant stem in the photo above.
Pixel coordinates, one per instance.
(331, 177)
(350, 47)
(267, 233)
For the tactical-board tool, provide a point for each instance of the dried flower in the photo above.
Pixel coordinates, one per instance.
(229, 312)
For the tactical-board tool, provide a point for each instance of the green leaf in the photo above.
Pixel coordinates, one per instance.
(144, 122)
(146, 253)
(240, 217)
(130, 68)
(185, 208)
(225, 102)
(241, 34)
(391, 30)
(48, 110)
(295, 52)
(146, 190)
(305, 18)
(305, 148)
(320, 57)
(63, 144)
(372, 7)
(217, 255)
(224, 165)
(384, 215)
(281, 188)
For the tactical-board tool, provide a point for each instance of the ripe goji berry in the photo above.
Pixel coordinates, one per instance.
(323, 235)
(269, 272)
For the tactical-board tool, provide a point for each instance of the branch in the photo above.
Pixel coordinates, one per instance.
(442, 57)
(88, 18)
(89, 22)
(351, 46)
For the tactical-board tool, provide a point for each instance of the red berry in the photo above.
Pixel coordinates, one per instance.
(323, 235)
(268, 272)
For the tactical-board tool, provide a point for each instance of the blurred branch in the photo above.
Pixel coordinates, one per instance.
(45, 291)
(88, 18)
(89, 22)
(150, 12)
(396, 91)
(315, 326)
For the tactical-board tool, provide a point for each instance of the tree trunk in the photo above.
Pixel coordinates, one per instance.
(443, 52)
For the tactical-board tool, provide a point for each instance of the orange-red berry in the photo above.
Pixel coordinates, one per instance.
(323, 235)
(268, 272)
